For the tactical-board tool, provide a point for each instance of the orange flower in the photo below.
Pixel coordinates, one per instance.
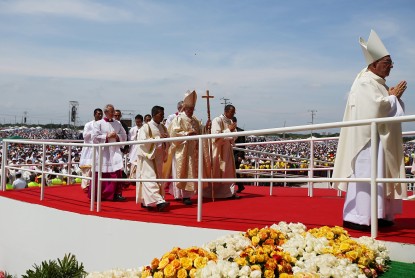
(154, 263)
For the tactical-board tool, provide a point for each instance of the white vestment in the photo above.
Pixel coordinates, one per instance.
(85, 162)
(223, 164)
(86, 153)
(133, 136)
(369, 98)
(150, 163)
(112, 157)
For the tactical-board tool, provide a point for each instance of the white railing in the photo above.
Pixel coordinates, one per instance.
(98, 149)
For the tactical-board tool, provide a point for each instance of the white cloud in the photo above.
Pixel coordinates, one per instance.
(88, 10)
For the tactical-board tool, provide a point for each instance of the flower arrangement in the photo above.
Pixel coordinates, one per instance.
(282, 250)
(180, 263)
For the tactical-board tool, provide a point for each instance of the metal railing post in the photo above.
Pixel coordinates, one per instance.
(3, 166)
(93, 179)
(272, 176)
(373, 184)
(311, 167)
(42, 185)
(199, 181)
(99, 183)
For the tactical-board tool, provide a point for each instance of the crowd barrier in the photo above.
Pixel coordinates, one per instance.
(310, 179)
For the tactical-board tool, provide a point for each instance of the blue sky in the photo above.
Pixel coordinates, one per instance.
(274, 60)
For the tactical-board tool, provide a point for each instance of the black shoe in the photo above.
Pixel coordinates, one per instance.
(187, 201)
(240, 188)
(163, 206)
(354, 226)
(384, 223)
(146, 207)
(119, 198)
(235, 197)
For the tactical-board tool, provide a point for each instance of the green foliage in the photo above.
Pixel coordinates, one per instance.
(68, 267)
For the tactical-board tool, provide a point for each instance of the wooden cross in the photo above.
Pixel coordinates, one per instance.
(207, 97)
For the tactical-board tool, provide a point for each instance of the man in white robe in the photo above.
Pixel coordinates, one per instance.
(369, 98)
(174, 115)
(183, 155)
(132, 136)
(85, 162)
(150, 161)
(109, 130)
(223, 163)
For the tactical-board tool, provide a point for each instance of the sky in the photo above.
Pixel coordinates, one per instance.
(280, 63)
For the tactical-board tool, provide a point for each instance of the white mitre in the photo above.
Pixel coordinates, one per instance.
(373, 49)
(189, 99)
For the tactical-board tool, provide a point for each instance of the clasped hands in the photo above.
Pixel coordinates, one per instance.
(111, 134)
(398, 90)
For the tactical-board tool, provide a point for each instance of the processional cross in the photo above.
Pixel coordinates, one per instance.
(208, 97)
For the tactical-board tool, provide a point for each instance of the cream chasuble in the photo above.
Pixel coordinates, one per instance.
(223, 164)
(150, 163)
(369, 98)
(186, 152)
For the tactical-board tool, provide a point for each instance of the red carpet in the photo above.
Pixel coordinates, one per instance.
(255, 209)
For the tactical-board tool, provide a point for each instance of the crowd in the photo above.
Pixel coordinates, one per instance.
(297, 154)
(39, 133)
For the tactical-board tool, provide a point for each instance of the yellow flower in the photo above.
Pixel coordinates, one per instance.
(192, 255)
(182, 273)
(330, 235)
(269, 273)
(241, 261)
(352, 255)
(169, 271)
(146, 273)
(186, 263)
(182, 253)
(252, 232)
(363, 261)
(344, 246)
(200, 262)
(192, 273)
(163, 263)
(255, 240)
(285, 275)
(176, 264)
(255, 267)
(158, 274)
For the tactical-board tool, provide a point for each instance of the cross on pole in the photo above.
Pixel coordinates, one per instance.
(207, 97)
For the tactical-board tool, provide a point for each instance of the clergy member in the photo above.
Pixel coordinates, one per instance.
(85, 162)
(369, 98)
(150, 161)
(132, 136)
(109, 130)
(183, 155)
(223, 163)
